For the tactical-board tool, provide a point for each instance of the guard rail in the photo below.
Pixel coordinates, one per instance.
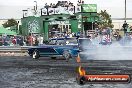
(19, 49)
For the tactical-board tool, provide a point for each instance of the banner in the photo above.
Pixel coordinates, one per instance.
(44, 11)
(89, 7)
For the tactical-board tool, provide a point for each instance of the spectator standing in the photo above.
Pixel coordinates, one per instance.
(36, 42)
(1, 41)
(14, 40)
(30, 40)
(21, 41)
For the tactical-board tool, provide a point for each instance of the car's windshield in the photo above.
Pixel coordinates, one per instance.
(71, 41)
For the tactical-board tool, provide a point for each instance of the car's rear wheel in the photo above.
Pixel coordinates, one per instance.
(66, 55)
(35, 54)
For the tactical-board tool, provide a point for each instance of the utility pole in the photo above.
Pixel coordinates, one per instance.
(18, 28)
(36, 5)
(125, 10)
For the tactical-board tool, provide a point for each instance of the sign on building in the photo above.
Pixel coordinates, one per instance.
(51, 11)
(63, 10)
(77, 9)
(44, 11)
(58, 22)
(25, 13)
(89, 7)
(71, 10)
(57, 11)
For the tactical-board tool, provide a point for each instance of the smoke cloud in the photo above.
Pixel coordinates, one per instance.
(121, 50)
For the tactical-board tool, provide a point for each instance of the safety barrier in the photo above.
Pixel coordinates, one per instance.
(24, 49)
(14, 50)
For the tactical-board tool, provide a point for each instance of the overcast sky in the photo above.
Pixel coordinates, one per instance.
(13, 8)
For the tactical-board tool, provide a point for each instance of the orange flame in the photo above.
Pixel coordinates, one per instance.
(78, 59)
(81, 71)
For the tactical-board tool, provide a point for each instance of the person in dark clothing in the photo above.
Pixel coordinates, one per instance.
(21, 41)
(1, 41)
(36, 42)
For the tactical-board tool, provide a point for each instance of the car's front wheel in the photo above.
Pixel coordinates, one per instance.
(66, 55)
(35, 54)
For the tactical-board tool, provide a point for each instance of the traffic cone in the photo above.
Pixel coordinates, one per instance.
(78, 59)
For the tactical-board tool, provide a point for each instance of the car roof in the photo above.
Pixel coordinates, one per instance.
(83, 38)
(62, 38)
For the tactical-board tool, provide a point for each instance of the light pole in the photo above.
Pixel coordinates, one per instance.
(18, 28)
(92, 25)
(36, 5)
(125, 10)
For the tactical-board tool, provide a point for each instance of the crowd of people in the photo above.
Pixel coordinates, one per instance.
(64, 4)
(106, 34)
(7, 40)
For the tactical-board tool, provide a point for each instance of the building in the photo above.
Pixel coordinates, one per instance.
(62, 18)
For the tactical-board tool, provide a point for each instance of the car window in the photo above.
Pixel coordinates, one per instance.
(57, 42)
(71, 41)
(63, 41)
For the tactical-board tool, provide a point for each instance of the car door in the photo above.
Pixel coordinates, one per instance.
(47, 51)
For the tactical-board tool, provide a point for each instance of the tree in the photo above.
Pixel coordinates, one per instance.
(106, 20)
(9, 23)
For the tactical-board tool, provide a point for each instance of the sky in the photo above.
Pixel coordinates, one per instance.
(13, 8)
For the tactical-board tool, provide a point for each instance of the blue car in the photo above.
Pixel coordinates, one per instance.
(65, 47)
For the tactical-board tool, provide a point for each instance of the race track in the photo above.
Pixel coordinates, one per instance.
(24, 72)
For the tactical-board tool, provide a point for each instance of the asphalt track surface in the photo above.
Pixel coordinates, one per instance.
(25, 72)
